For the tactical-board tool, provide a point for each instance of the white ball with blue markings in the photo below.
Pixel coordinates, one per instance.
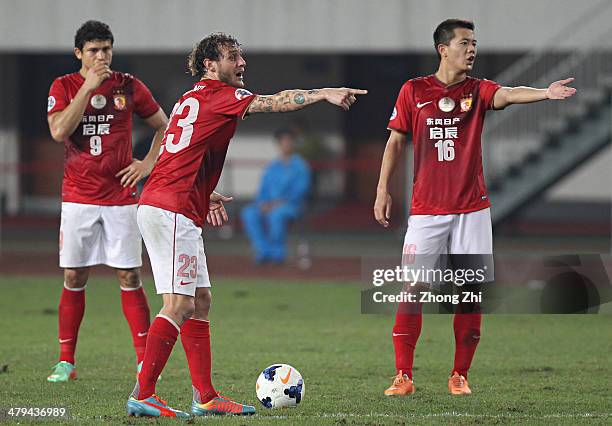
(280, 385)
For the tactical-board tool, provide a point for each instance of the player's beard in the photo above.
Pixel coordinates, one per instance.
(231, 79)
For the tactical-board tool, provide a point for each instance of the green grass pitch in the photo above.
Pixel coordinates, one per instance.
(528, 369)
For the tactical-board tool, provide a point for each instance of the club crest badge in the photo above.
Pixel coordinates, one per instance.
(466, 103)
(119, 101)
(446, 104)
(98, 101)
(393, 114)
(241, 94)
(50, 103)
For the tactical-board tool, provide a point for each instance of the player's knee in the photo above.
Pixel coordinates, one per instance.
(409, 308)
(188, 312)
(469, 308)
(186, 308)
(181, 308)
(129, 278)
(76, 278)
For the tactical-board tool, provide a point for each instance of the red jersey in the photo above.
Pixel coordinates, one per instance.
(446, 126)
(101, 145)
(194, 147)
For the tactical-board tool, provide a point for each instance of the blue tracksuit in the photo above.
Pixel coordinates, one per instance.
(285, 182)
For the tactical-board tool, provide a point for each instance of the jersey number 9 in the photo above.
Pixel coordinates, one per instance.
(95, 145)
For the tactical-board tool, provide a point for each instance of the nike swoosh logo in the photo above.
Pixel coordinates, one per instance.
(143, 334)
(421, 105)
(286, 378)
(64, 340)
(400, 334)
(185, 283)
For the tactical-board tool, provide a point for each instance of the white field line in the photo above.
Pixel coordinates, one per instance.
(436, 415)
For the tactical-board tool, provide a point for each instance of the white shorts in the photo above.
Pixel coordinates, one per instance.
(94, 235)
(430, 236)
(176, 249)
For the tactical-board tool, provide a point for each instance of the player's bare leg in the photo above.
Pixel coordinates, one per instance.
(160, 340)
(75, 278)
(135, 308)
(195, 336)
(70, 315)
(203, 300)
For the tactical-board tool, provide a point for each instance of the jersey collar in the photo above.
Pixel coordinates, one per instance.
(210, 82)
(444, 86)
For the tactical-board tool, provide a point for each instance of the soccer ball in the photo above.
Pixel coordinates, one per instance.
(280, 385)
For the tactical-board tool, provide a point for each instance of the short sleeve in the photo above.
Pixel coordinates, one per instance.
(487, 92)
(57, 100)
(401, 117)
(232, 101)
(144, 103)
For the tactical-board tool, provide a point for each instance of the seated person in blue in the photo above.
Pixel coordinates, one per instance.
(281, 199)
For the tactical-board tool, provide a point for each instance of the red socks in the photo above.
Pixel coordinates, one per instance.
(195, 336)
(407, 329)
(71, 310)
(136, 311)
(467, 336)
(160, 341)
(406, 332)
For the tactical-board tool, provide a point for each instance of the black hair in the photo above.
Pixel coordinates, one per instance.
(445, 32)
(208, 48)
(90, 31)
(284, 131)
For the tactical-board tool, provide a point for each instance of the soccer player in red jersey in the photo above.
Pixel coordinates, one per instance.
(444, 112)
(90, 112)
(179, 198)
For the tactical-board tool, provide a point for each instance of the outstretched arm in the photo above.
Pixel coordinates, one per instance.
(523, 95)
(393, 152)
(293, 100)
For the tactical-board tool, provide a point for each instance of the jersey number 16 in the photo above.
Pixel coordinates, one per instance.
(446, 150)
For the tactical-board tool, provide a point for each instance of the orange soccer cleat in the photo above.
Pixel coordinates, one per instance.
(458, 385)
(221, 405)
(401, 386)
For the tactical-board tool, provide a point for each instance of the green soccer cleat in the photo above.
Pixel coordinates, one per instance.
(219, 406)
(62, 372)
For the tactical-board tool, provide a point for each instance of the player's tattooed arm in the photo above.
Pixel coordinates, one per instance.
(293, 100)
(523, 95)
(285, 101)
